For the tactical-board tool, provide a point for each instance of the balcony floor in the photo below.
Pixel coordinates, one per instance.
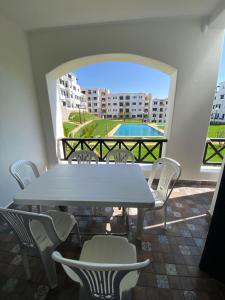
(174, 254)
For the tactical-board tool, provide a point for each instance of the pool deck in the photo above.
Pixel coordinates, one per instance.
(112, 132)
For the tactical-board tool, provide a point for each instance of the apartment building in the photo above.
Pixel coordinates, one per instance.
(127, 105)
(158, 110)
(69, 92)
(218, 108)
(96, 99)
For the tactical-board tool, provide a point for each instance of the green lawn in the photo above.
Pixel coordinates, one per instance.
(216, 131)
(97, 128)
(67, 127)
(81, 117)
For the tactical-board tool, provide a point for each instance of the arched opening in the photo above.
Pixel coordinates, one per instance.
(52, 77)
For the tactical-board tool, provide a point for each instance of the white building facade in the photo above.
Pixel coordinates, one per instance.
(218, 108)
(158, 110)
(96, 100)
(127, 105)
(69, 92)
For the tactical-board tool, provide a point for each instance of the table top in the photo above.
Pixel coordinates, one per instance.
(89, 185)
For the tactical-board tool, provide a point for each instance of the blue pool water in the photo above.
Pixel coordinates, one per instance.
(136, 130)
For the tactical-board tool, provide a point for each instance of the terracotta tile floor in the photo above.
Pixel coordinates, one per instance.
(174, 254)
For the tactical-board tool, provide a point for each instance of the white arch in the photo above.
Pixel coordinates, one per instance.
(66, 67)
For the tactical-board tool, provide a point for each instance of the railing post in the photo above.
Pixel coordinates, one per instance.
(160, 149)
(205, 152)
(64, 148)
(139, 150)
(101, 156)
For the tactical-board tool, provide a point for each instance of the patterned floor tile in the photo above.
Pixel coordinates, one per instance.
(171, 269)
(162, 281)
(146, 246)
(185, 250)
(10, 285)
(177, 214)
(190, 295)
(163, 239)
(191, 227)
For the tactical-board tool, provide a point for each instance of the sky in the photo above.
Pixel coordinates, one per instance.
(121, 77)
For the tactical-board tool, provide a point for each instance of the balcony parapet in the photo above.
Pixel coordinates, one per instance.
(145, 150)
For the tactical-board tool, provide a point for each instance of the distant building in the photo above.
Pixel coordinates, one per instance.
(158, 110)
(69, 92)
(104, 104)
(127, 105)
(218, 108)
(96, 100)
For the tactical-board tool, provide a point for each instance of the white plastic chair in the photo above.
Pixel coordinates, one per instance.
(83, 157)
(120, 156)
(107, 268)
(42, 231)
(170, 171)
(24, 172)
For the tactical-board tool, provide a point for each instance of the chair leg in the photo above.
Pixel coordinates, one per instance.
(78, 234)
(165, 216)
(50, 267)
(26, 263)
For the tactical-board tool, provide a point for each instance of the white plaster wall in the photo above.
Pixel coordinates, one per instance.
(20, 124)
(179, 43)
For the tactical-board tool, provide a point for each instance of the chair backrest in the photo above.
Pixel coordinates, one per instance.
(22, 224)
(83, 157)
(170, 171)
(120, 156)
(24, 172)
(101, 281)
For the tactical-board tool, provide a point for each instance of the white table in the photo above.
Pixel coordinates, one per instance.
(104, 185)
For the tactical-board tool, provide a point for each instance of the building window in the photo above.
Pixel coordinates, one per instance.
(121, 98)
(154, 109)
(127, 97)
(114, 104)
(127, 103)
(222, 96)
(133, 103)
(161, 109)
(121, 103)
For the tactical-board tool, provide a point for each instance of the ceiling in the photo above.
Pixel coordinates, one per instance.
(36, 14)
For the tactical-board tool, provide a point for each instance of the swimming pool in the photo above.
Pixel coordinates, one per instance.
(137, 130)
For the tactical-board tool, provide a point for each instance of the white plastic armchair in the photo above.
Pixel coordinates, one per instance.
(120, 156)
(24, 172)
(170, 171)
(83, 157)
(107, 268)
(42, 231)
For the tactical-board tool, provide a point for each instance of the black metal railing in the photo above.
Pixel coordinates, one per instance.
(214, 151)
(144, 150)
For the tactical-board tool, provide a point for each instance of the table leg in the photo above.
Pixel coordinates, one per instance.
(140, 219)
